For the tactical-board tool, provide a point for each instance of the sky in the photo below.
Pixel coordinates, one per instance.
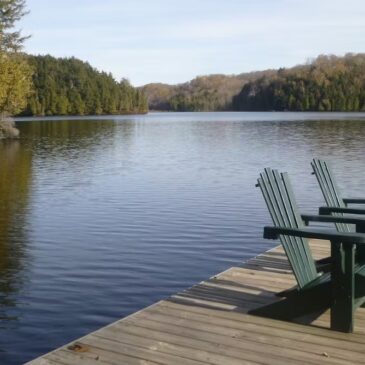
(173, 41)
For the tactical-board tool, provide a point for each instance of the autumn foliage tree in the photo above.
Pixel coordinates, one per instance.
(15, 73)
(328, 83)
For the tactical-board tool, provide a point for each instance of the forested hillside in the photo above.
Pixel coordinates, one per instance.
(329, 83)
(204, 93)
(68, 86)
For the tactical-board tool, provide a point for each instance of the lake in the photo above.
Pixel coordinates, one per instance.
(102, 216)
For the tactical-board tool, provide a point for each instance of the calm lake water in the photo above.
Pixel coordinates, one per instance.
(100, 217)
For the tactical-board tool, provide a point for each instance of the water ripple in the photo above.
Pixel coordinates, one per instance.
(102, 217)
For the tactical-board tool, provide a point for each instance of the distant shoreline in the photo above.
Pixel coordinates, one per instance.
(64, 117)
(253, 116)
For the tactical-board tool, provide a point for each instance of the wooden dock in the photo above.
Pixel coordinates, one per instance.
(209, 324)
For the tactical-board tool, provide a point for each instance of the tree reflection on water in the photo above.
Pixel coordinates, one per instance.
(15, 182)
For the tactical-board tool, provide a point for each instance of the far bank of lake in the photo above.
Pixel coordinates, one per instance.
(211, 116)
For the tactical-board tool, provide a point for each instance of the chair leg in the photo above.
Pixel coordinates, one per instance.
(359, 289)
(360, 250)
(343, 287)
(360, 254)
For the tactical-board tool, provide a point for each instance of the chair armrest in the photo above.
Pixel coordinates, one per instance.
(332, 219)
(333, 236)
(358, 221)
(329, 210)
(354, 200)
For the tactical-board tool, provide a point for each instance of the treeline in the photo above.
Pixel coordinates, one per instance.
(204, 93)
(329, 83)
(68, 86)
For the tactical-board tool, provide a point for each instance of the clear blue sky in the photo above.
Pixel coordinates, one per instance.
(173, 40)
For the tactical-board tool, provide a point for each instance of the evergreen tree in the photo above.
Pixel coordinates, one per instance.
(68, 86)
(10, 12)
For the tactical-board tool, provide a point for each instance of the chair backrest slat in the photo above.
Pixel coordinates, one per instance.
(279, 198)
(278, 219)
(295, 221)
(295, 209)
(330, 190)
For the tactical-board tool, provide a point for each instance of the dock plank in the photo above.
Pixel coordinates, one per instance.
(208, 324)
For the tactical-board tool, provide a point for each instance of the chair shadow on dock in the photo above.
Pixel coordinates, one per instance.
(228, 295)
(255, 284)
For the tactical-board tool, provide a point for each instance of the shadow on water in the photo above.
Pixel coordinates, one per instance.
(80, 142)
(15, 185)
(63, 132)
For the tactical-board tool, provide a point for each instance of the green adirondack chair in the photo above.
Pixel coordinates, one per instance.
(336, 204)
(342, 290)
